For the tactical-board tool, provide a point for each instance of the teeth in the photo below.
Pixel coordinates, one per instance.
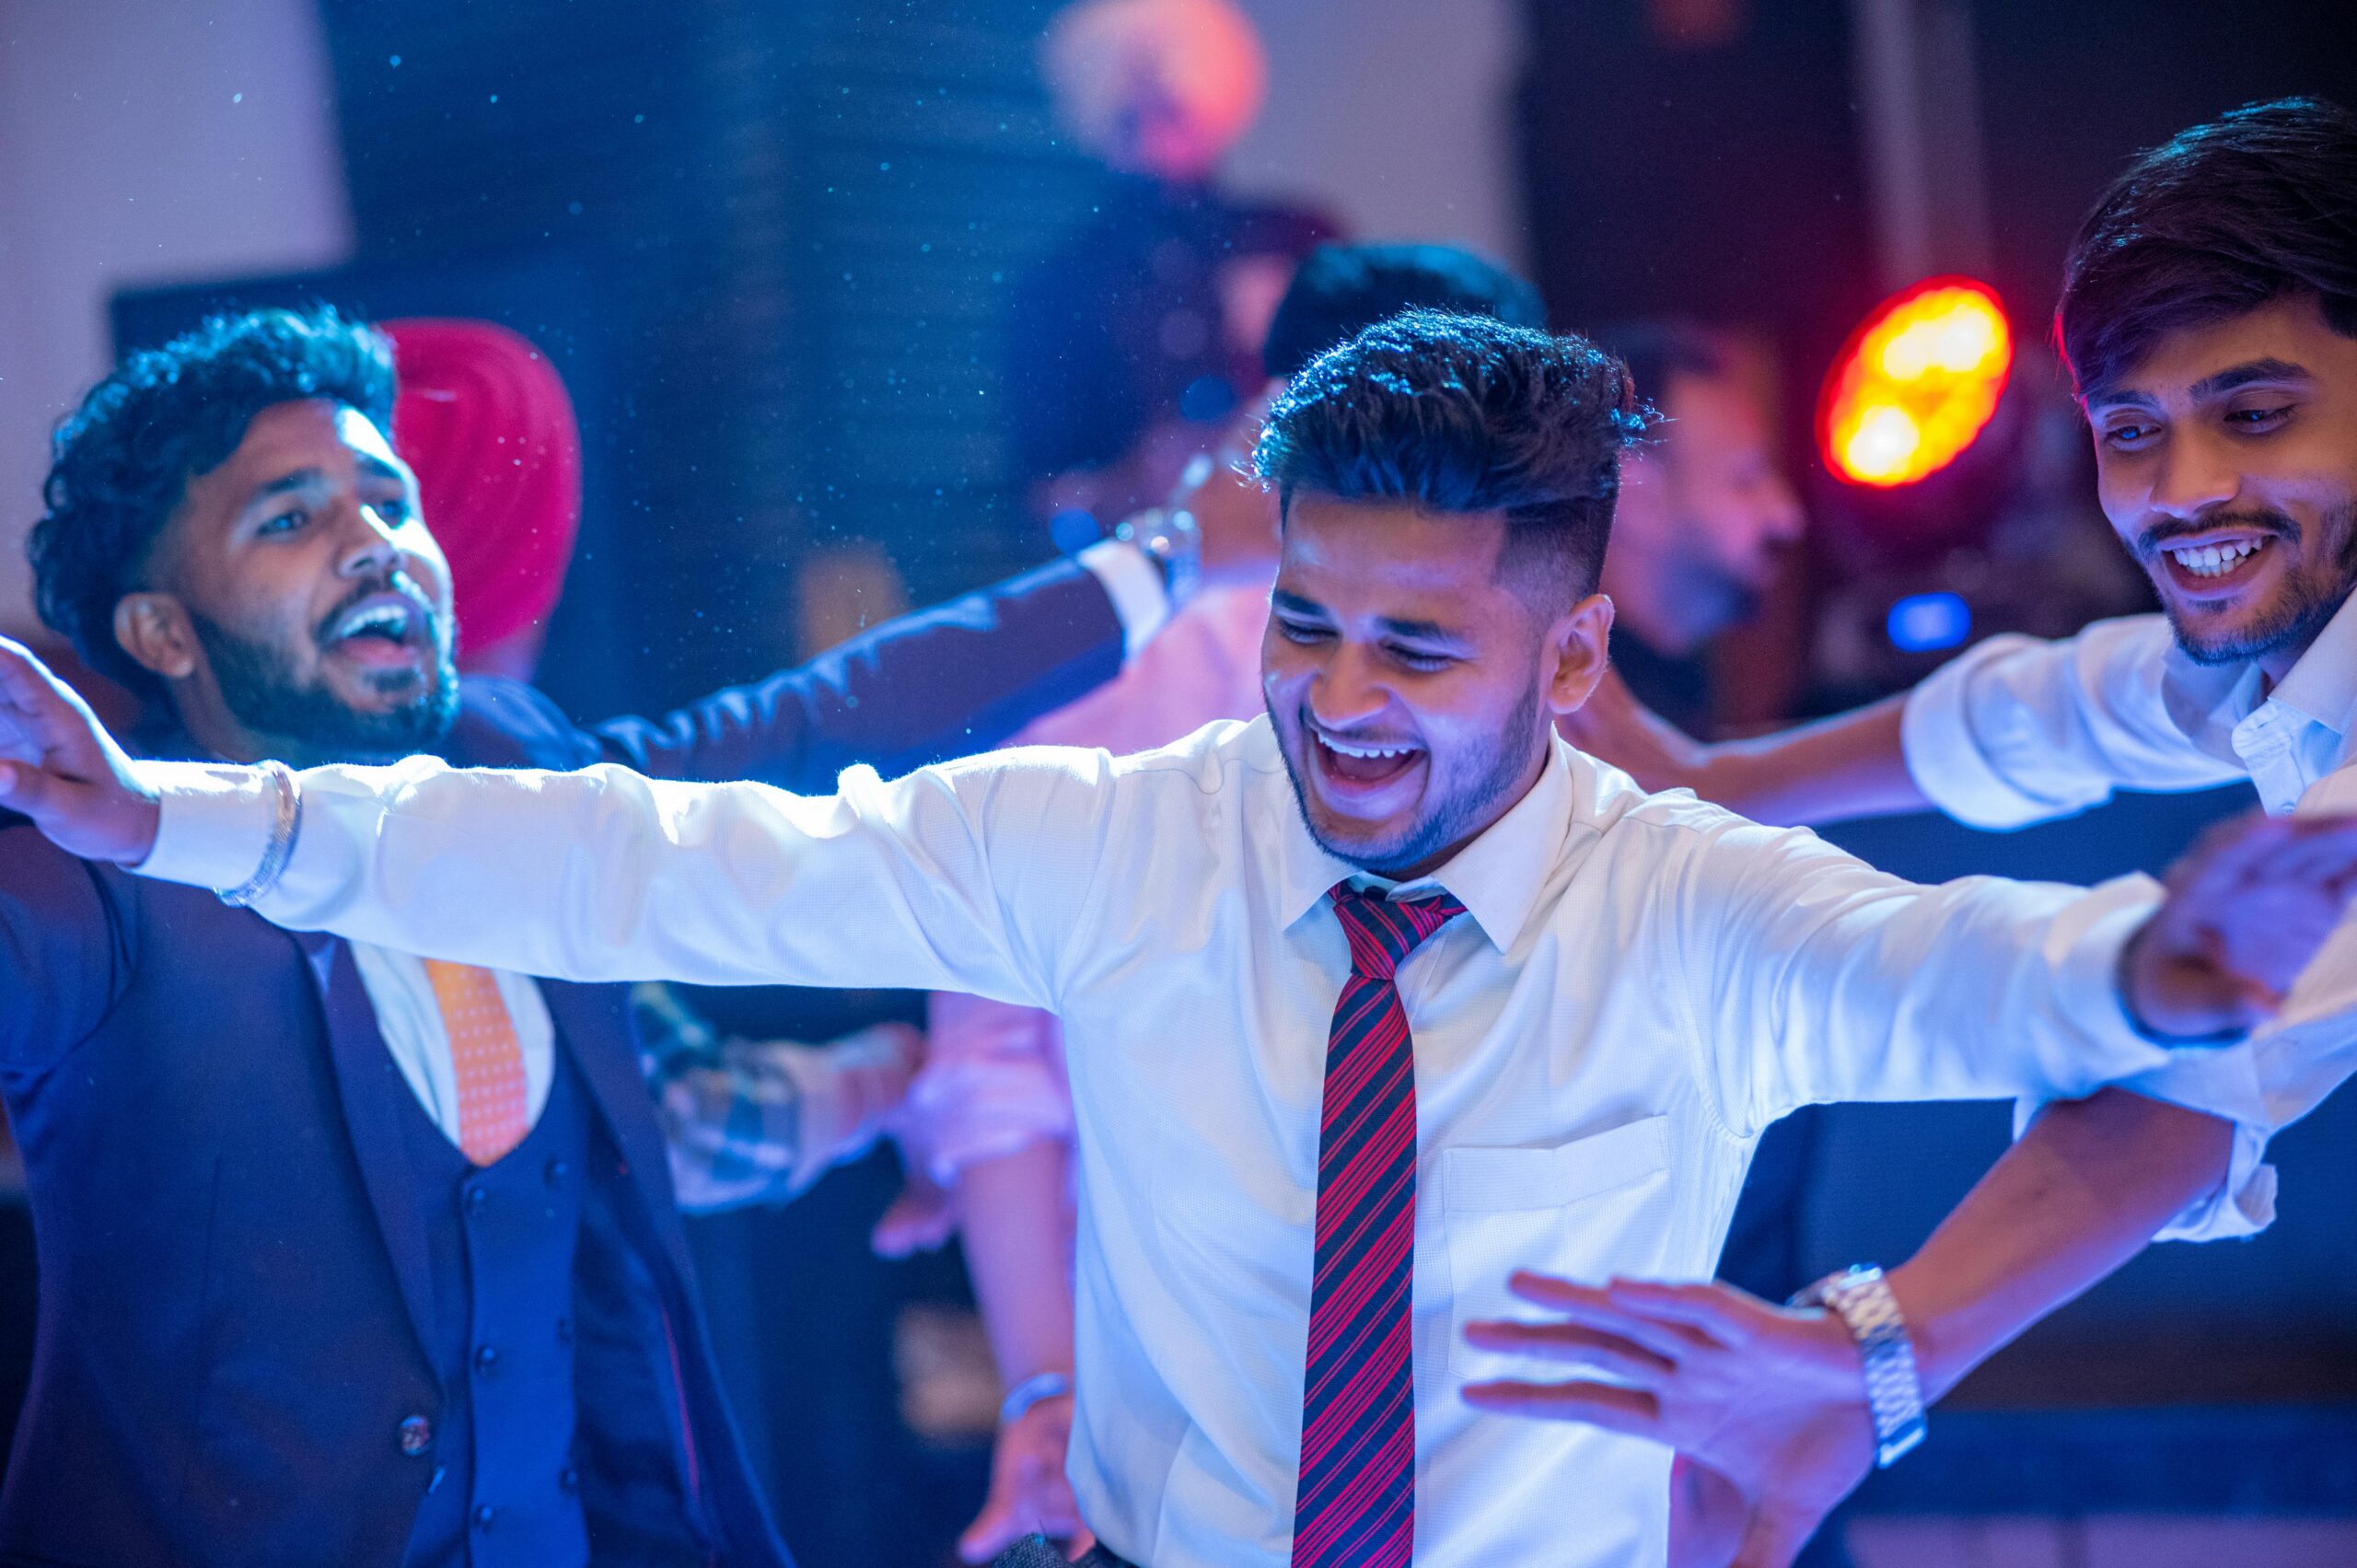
(2215, 559)
(1366, 752)
(391, 620)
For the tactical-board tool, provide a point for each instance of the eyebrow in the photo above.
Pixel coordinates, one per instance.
(2231, 378)
(300, 478)
(1415, 631)
(2239, 375)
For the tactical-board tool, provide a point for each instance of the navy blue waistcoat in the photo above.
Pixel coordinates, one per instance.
(500, 1243)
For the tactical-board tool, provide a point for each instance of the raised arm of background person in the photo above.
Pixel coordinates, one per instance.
(1850, 765)
(949, 681)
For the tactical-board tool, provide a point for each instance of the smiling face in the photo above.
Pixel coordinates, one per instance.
(2227, 462)
(1411, 682)
(296, 602)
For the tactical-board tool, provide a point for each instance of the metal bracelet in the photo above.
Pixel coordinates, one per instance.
(1031, 1391)
(1862, 1298)
(282, 830)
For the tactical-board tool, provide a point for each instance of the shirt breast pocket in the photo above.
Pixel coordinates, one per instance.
(1584, 1209)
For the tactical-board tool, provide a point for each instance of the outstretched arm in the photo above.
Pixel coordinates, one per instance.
(1851, 765)
(1767, 1405)
(2013, 731)
(968, 877)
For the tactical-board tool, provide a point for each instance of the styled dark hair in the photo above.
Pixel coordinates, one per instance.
(1339, 291)
(1464, 413)
(121, 462)
(2214, 222)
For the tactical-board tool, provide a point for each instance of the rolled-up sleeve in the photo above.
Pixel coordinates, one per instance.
(2287, 1068)
(2015, 730)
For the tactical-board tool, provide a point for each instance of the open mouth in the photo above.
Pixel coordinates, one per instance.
(1357, 772)
(2210, 568)
(383, 629)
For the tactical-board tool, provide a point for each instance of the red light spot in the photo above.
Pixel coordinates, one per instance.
(1916, 384)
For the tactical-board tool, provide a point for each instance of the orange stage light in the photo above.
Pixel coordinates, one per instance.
(1916, 383)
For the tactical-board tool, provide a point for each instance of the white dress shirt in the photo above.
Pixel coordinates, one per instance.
(2015, 730)
(1643, 985)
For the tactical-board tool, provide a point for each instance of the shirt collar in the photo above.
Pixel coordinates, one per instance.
(2323, 685)
(2208, 700)
(1496, 878)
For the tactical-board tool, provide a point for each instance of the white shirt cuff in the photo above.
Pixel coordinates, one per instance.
(215, 824)
(1935, 732)
(2087, 944)
(1134, 585)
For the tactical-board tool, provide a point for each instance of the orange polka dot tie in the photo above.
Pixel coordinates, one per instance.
(485, 1057)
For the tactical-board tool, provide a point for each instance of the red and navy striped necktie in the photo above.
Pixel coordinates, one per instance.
(1355, 1504)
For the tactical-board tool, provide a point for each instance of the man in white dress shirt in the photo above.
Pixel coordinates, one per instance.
(1566, 1008)
(2210, 316)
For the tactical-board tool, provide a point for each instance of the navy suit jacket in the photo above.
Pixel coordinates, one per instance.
(229, 1281)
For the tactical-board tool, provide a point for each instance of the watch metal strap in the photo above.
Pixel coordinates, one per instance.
(1862, 1298)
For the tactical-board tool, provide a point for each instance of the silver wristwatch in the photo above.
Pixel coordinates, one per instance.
(1861, 1297)
(1173, 543)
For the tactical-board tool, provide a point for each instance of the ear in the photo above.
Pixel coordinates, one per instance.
(1578, 647)
(155, 630)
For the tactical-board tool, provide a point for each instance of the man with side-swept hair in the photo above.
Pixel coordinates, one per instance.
(2209, 314)
(1383, 994)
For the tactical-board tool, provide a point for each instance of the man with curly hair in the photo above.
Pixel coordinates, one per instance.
(1383, 994)
(344, 1257)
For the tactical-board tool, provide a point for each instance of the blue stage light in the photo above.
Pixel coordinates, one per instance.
(1920, 623)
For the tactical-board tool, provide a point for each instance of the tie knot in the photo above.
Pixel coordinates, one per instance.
(1383, 931)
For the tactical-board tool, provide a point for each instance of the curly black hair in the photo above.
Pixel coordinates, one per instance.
(2218, 220)
(1464, 414)
(120, 463)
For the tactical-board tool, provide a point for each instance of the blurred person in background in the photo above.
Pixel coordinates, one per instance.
(1132, 344)
(990, 1117)
(2208, 317)
(1706, 513)
(344, 1256)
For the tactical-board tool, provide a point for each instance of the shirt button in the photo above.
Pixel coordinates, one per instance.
(486, 1517)
(417, 1436)
(565, 1330)
(557, 1171)
(487, 1360)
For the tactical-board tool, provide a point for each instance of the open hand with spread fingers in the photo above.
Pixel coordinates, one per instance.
(1766, 1406)
(60, 767)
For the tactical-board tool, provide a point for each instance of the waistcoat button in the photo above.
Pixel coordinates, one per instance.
(487, 1360)
(485, 1516)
